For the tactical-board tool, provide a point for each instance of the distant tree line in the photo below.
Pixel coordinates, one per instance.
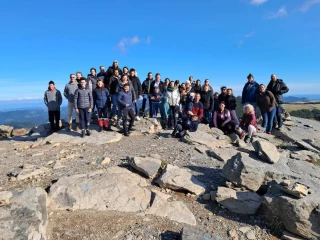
(308, 114)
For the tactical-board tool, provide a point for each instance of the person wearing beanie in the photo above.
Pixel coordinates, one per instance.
(83, 103)
(69, 91)
(100, 99)
(53, 101)
(137, 88)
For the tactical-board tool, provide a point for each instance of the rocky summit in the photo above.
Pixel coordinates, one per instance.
(151, 186)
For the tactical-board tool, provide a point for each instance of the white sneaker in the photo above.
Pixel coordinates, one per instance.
(137, 118)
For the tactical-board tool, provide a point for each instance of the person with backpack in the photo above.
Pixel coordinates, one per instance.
(173, 97)
(126, 105)
(83, 103)
(267, 104)
(100, 98)
(53, 101)
(222, 118)
(278, 88)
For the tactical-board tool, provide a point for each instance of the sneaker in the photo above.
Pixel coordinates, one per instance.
(247, 139)
(83, 133)
(88, 132)
(137, 118)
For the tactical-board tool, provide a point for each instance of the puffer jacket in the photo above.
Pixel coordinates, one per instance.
(173, 97)
(125, 98)
(112, 84)
(69, 91)
(119, 88)
(278, 88)
(92, 82)
(83, 98)
(100, 97)
(250, 92)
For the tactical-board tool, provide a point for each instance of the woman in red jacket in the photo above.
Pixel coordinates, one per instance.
(248, 122)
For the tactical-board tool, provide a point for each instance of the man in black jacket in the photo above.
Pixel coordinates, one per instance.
(146, 87)
(110, 71)
(137, 88)
(157, 83)
(277, 87)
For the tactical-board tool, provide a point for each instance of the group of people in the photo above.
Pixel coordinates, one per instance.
(113, 94)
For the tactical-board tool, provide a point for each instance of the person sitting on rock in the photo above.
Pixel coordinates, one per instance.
(100, 97)
(125, 102)
(188, 124)
(248, 123)
(83, 103)
(53, 100)
(222, 118)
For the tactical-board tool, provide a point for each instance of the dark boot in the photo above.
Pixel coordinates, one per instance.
(83, 133)
(88, 132)
(100, 125)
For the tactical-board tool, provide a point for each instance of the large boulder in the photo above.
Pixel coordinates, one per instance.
(180, 179)
(26, 215)
(299, 216)
(244, 202)
(146, 165)
(174, 210)
(245, 171)
(116, 189)
(267, 151)
(5, 131)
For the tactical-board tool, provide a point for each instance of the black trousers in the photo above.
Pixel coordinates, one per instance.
(172, 116)
(54, 118)
(84, 118)
(128, 112)
(144, 102)
(178, 131)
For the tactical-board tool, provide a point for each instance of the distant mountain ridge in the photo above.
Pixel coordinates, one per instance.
(290, 99)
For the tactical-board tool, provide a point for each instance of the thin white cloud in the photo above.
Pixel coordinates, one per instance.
(248, 35)
(258, 2)
(308, 4)
(282, 12)
(124, 43)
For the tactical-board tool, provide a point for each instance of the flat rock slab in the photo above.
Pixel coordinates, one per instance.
(304, 155)
(245, 171)
(146, 165)
(267, 151)
(195, 233)
(307, 146)
(174, 210)
(244, 202)
(206, 139)
(26, 215)
(96, 138)
(290, 236)
(223, 154)
(180, 179)
(116, 189)
(30, 171)
(289, 123)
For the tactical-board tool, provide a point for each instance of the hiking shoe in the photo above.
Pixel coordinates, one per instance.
(247, 139)
(83, 133)
(126, 134)
(88, 132)
(137, 118)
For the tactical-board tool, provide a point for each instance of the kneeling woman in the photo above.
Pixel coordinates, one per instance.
(248, 122)
(222, 118)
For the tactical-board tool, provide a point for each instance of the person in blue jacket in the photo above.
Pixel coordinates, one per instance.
(125, 103)
(100, 98)
(250, 92)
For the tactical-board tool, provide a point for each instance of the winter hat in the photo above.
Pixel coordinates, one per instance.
(51, 82)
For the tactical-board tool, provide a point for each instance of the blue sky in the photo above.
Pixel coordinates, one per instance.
(220, 40)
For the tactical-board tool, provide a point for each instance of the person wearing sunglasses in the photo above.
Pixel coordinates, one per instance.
(68, 93)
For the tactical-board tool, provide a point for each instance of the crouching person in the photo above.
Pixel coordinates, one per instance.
(248, 123)
(53, 100)
(187, 125)
(100, 97)
(83, 103)
(125, 103)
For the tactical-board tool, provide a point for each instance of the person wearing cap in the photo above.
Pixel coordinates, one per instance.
(69, 91)
(250, 92)
(111, 69)
(146, 90)
(53, 101)
(137, 88)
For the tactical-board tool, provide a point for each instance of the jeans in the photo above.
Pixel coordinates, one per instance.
(207, 113)
(234, 117)
(54, 118)
(268, 118)
(102, 112)
(70, 110)
(155, 107)
(114, 104)
(128, 112)
(144, 102)
(136, 108)
(278, 116)
(84, 118)
(173, 116)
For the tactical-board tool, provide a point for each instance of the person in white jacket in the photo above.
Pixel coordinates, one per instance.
(173, 97)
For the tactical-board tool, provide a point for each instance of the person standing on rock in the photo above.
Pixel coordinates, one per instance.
(173, 97)
(83, 103)
(53, 100)
(137, 88)
(223, 95)
(126, 105)
(111, 69)
(69, 91)
(197, 87)
(92, 80)
(146, 89)
(157, 83)
(125, 71)
(207, 101)
(100, 98)
(250, 92)
(248, 123)
(191, 81)
(278, 88)
(79, 78)
(111, 85)
(101, 73)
